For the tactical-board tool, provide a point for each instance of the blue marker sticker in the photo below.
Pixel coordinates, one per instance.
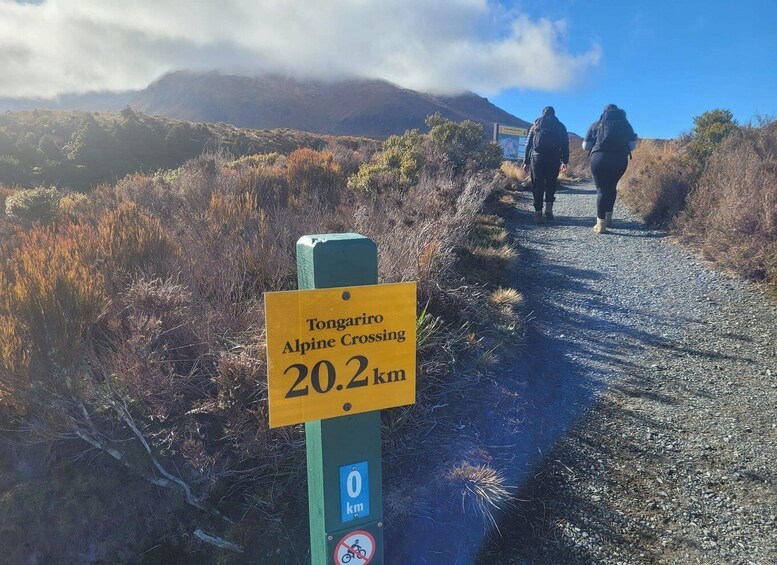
(354, 491)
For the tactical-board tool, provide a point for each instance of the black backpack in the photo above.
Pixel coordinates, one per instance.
(614, 133)
(547, 136)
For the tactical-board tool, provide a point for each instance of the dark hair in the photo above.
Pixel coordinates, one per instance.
(548, 111)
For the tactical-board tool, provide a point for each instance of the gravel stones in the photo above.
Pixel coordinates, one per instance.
(649, 379)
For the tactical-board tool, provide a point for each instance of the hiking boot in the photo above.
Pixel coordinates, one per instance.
(549, 210)
(600, 227)
(608, 219)
(538, 216)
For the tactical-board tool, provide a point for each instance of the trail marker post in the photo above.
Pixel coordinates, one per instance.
(340, 349)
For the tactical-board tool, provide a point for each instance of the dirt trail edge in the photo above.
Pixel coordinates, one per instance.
(650, 382)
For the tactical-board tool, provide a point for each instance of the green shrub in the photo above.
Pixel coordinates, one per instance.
(464, 142)
(403, 154)
(35, 205)
(372, 178)
(260, 159)
(403, 157)
(710, 129)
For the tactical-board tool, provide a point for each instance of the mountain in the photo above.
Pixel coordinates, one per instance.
(372, 108)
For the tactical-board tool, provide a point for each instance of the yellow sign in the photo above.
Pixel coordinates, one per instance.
(510, 130)
(339, 351)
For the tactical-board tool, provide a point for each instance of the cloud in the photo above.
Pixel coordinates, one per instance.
(71, 46)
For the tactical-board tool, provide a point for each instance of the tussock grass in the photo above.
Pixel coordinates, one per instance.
(480, 488)
(506, 297)
(514, 171)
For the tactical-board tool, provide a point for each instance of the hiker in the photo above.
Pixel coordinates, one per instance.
(609, 142)
(547, 151)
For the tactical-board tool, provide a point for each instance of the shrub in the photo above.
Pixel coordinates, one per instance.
(464, 143)
(35, 205)
(50, 295)
(403, 154)
(73, 206)
(134, 242)
(267, 185)
(373, 179)
(710, 129)
(348, 158)
(657, 182)
(5, 192)
(314, 174)
(273, 159)
(732, 213)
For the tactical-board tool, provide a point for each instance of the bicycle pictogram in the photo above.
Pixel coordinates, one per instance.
(355, 550)
(357, 547)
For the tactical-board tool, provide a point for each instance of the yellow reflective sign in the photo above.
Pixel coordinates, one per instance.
(339, 351)
(510, 130)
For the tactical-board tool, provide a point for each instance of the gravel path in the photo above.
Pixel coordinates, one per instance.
(649, 434)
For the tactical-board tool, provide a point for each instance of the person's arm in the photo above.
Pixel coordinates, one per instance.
(529, 144)
(590, 138)
(633, 142)
(564, 145)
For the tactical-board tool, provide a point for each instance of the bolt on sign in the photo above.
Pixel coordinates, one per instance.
(340, 351)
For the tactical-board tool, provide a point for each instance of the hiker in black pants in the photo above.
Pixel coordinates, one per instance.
(547, 149)
(609, 141)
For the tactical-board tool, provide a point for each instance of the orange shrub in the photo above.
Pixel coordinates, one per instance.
(314, 174)
(50, 296)
(656, 182)
(134, 242)
(267, 184)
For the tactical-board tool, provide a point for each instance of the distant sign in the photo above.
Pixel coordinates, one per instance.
(512, 140)
(339, 351)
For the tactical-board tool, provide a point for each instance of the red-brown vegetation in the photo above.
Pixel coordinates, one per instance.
(134, 323)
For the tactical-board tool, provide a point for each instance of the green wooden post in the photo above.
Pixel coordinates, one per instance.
(327, 261)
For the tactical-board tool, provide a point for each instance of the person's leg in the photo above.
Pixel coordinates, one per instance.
(537, 184)
(617, 169)
(551, 175)
(599, 171)
(616, 166)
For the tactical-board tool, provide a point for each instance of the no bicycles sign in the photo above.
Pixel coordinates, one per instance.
(340, 351)
(357, 547)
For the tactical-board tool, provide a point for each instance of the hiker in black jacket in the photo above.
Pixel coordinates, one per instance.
(609, 141)
(547, 150)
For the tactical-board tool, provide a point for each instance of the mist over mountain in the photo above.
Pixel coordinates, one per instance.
(91, 101)
(351, 107)
(371, 108)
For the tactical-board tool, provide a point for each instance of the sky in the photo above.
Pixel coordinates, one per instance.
(663, 61)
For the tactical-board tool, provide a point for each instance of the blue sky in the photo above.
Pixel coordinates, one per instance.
(663, 62)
